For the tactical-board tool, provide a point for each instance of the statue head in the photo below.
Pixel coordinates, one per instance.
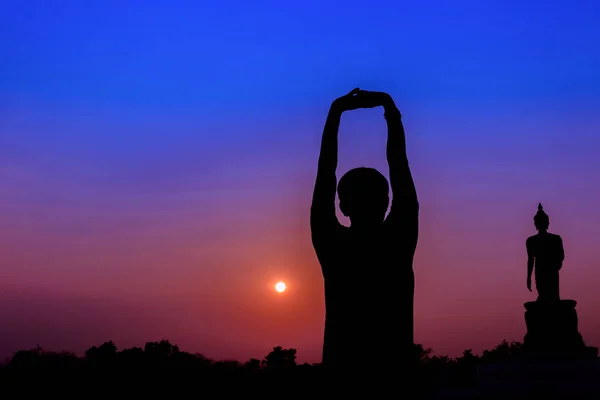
(541, 219)
(364, 196)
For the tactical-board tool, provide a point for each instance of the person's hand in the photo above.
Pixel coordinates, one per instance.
(529, 284)
(362, 99)
(347, 102)
(371, 99)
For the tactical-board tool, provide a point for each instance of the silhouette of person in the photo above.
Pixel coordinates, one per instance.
(546, 254)
(367, 267)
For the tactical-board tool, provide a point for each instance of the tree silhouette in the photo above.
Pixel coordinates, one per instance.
(203, 361)
(162, 349)
(26, 359)
(133, 357)
(252, 365)
(422, 353)
(280, 358)
(102, 355)
(468, 357)
(503, 352)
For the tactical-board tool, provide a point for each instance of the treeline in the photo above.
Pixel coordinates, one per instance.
(165, 354)
(161, 369)
(162, 366)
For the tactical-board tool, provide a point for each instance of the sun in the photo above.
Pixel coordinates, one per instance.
(280, 287)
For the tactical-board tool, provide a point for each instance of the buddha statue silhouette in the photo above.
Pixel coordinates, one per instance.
(545, 255)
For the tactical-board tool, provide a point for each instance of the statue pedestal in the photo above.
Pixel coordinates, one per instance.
(552, 330)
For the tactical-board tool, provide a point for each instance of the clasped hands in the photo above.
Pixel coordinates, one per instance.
(362, 99)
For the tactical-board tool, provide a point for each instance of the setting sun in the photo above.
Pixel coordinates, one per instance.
(280, 287)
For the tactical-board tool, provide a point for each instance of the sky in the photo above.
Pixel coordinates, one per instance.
(157, 160)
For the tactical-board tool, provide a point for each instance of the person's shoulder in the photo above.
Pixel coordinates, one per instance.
(531, 239)
(555, 236)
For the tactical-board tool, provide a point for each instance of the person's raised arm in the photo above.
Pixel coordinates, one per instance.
(401, 180)
(322, 211)
(404, 211)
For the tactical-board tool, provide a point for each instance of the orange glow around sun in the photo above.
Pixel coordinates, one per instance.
(280, 287)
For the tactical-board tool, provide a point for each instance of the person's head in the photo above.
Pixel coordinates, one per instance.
(541, 219)
(364, 196)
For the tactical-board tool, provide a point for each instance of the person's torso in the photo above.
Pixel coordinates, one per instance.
(370, 282)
